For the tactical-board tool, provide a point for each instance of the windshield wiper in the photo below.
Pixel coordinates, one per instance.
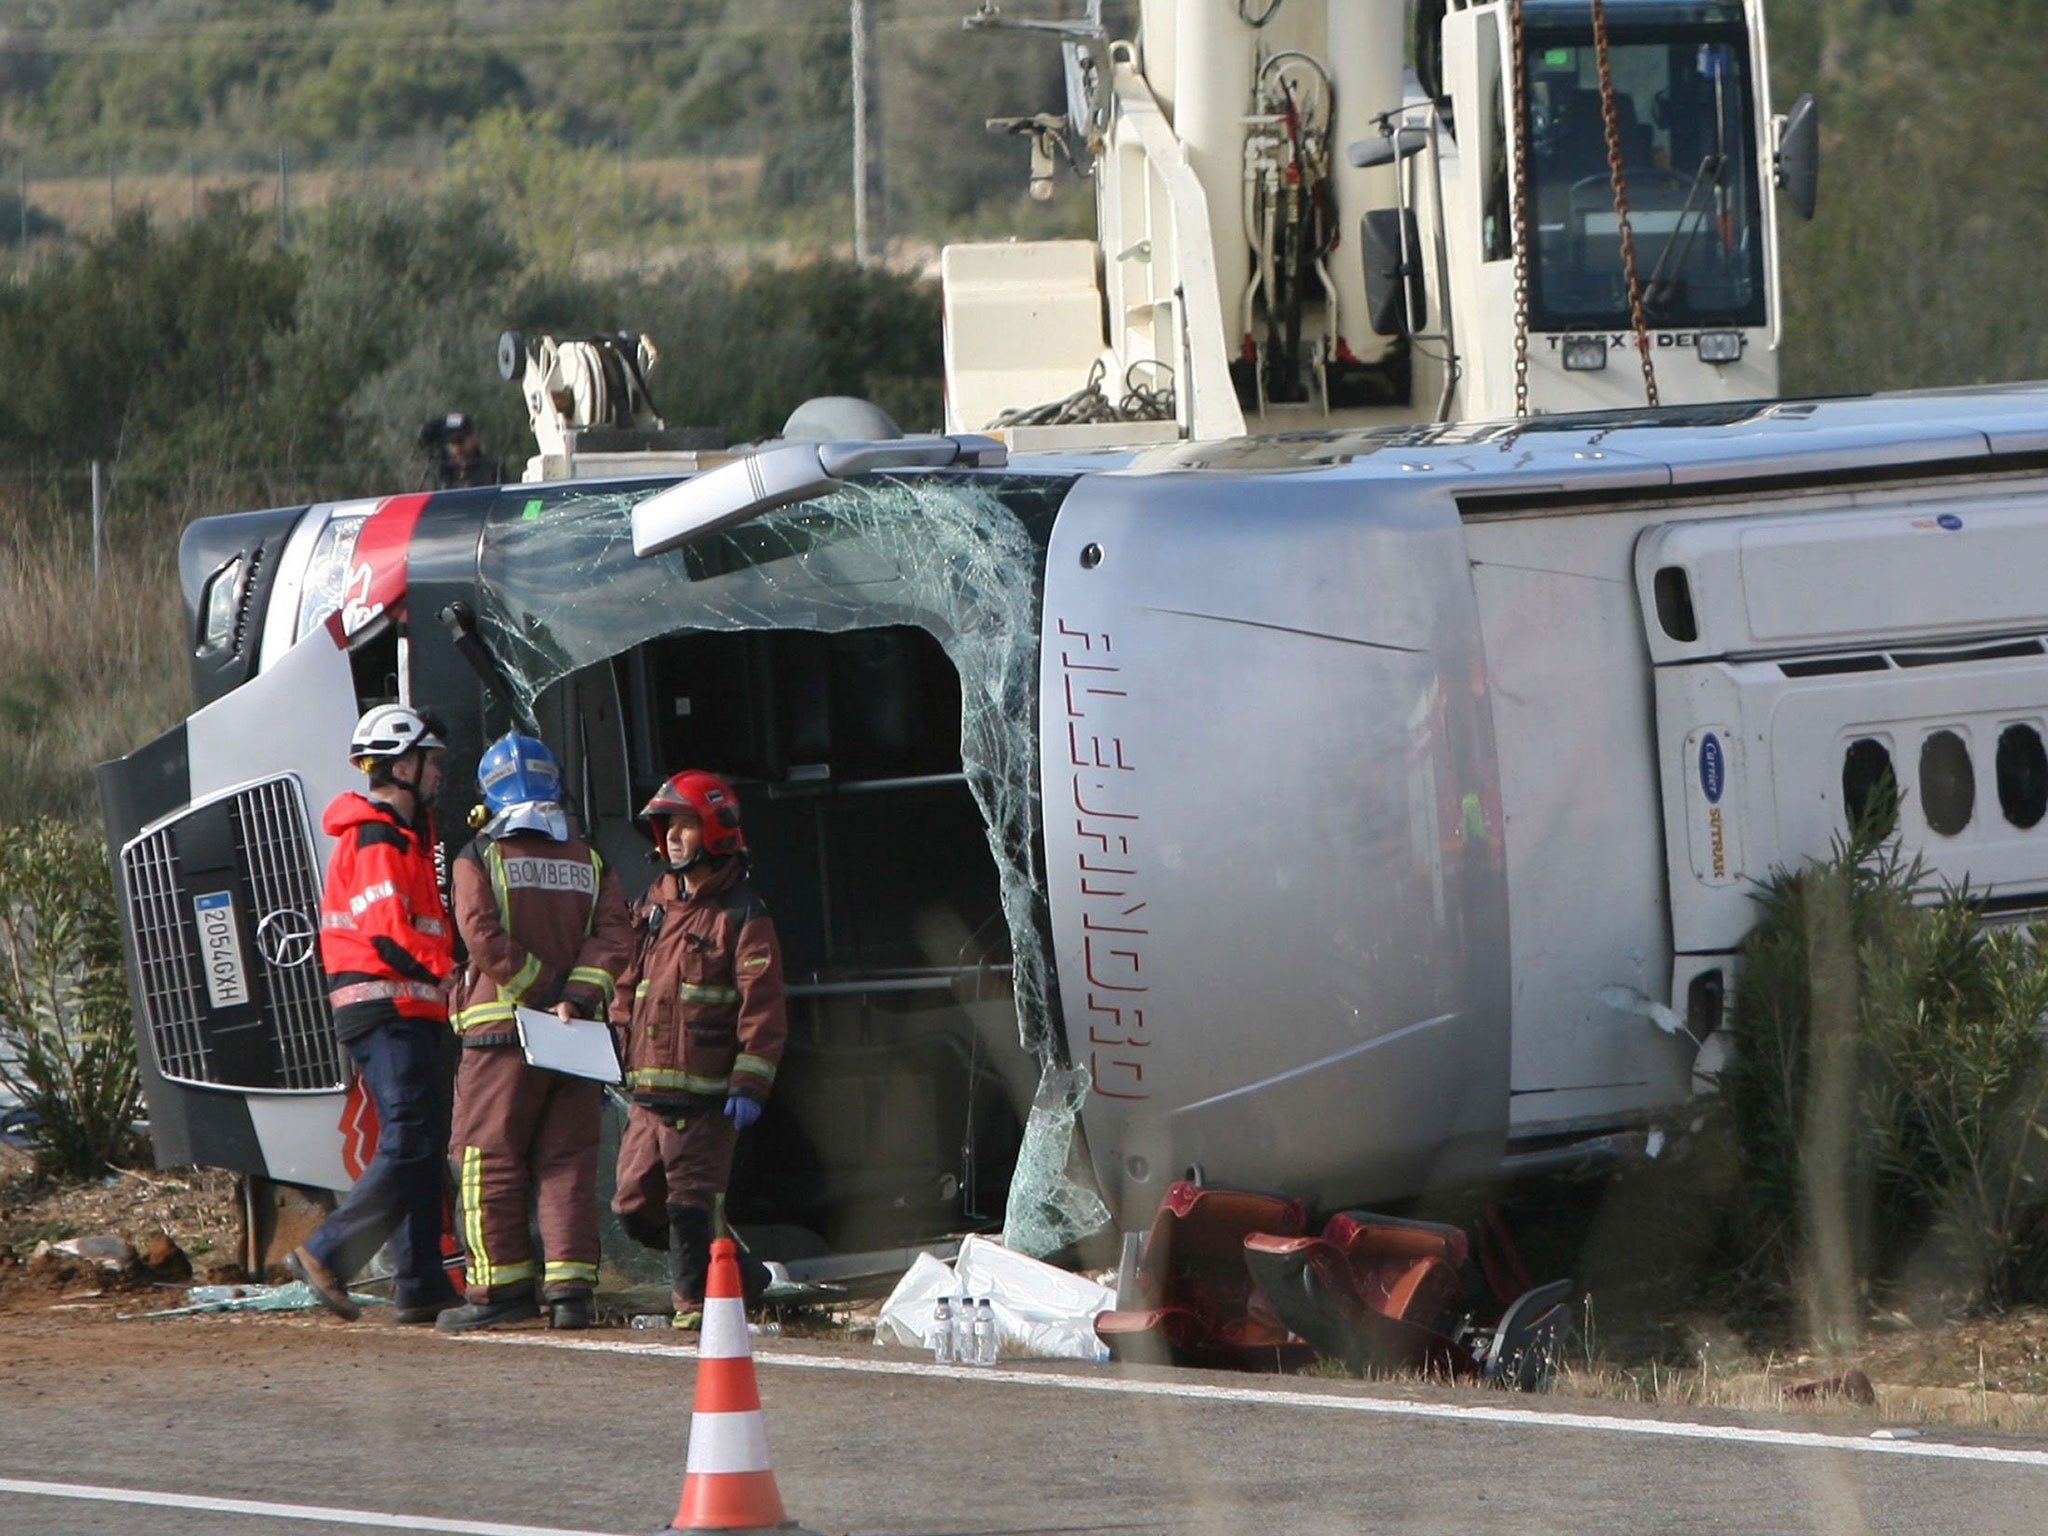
(1653, 297)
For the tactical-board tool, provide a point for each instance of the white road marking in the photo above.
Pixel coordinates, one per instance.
(1534, 1418)
(263, 1510)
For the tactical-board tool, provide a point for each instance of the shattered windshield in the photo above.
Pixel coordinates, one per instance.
(959, 558)
(1682, 113)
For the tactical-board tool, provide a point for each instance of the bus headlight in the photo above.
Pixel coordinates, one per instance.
(217, 608)
(1720, 346)
(327, 571)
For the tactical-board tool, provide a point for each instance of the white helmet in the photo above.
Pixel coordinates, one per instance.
(392, 730)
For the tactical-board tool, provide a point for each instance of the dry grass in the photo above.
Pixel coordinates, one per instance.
(1987, 1372)
(1752, 1386)
(1749, 1385)
(87, 205)
(84, 675)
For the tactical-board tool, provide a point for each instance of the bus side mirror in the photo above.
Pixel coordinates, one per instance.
(1393, 254)
(1798, 157)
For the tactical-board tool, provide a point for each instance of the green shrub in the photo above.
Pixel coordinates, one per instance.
(1961, 1099)
(1887, 1092)
(66, 1049)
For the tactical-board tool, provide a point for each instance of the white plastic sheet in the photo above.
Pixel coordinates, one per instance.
(1041, 1312)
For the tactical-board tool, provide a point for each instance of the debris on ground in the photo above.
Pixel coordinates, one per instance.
(1231, 1278)
(1646, 1348)
(1041, 1312)
(1851, 1386)
(296, 1296)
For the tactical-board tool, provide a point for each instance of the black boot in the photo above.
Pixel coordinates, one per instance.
(689, 1259)
(500, 1311)
(569, 1312)
(755, 1278)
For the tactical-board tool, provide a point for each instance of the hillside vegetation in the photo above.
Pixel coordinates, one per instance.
(223, 339)
(109, 89)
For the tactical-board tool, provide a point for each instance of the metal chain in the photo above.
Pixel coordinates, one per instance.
(1614, 171)
(1521, 130)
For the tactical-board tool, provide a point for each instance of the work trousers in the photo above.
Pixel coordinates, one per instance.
(398, 1199)
(524, 1135)
(662, 1165)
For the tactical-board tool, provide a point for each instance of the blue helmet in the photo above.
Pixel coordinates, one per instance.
(517, 770)
(522, 786)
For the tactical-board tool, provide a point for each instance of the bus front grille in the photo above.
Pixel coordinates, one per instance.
(262, 1020)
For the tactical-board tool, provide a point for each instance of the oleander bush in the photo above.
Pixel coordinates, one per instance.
(66, 1048)
(1887, 1094)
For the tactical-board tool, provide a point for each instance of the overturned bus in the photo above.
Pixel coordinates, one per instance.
(1357, 816)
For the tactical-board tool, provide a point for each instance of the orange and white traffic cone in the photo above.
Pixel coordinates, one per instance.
(727, 1485)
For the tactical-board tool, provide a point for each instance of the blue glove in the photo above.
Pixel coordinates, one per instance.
(741, 1111)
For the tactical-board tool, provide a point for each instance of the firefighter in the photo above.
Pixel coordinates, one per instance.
(457, 449)
(701, 1019)
(386, 949)
(546, 927)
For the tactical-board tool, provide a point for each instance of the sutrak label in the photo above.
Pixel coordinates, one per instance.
(1714, 834)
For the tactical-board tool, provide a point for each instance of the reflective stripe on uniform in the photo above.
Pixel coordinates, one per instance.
(482, 1271)
(640, 991)
(564, 1272)
(594, 976)
(691, 992)
(383, 991)
(522, 978)
(472, 1195)
(596, 889)
(679, 1082)
(494, 864)
(754, 1066)
(499, 1012)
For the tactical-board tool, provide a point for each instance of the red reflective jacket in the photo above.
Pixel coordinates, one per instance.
(384, 933)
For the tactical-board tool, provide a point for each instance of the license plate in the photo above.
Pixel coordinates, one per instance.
(220, 949)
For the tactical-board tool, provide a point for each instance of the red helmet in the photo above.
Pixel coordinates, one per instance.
(707, 797)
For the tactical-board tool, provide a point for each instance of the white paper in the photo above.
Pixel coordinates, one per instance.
(579, 1047)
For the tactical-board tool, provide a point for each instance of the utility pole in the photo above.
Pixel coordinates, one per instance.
(99, 522)
(867, 133)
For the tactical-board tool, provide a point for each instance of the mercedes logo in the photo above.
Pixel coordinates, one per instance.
(286, 937)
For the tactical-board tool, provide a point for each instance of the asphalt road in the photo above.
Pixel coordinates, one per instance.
(314, 1425)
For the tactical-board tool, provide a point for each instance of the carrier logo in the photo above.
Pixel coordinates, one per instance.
(1713, 768)
(1714, 832)
(286, 937)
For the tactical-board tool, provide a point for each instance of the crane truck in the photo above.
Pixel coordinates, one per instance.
(1563, 206)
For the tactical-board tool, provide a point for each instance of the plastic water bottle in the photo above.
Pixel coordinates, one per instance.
(984, 1333)
(653, 1320)
(943, 1330)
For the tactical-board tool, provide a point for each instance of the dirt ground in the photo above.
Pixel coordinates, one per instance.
(1990, 1370)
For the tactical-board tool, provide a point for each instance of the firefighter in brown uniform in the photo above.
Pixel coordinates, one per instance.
(701, 1022)
(547, 927)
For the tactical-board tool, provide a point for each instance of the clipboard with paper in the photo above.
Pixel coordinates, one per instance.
(578, 1047)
